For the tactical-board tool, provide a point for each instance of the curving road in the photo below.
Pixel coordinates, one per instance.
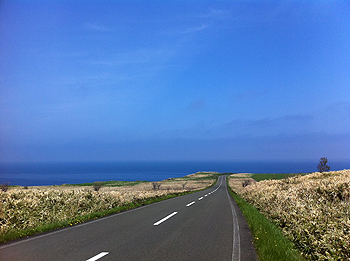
(205, 225)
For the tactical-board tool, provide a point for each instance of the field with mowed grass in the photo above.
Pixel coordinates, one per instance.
(312, 210)
(29, 210)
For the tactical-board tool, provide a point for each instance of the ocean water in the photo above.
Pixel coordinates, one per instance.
(36, 174)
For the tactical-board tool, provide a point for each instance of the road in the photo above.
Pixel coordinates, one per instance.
(205, 225)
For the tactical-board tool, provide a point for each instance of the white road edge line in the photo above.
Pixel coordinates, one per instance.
(236, 244)
(162, 220)
(189, 204)
(217, 187)
(94, 258)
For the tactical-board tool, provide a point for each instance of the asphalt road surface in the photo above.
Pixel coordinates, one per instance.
(205, 225)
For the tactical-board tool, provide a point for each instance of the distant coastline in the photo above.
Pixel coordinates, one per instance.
(36, 174)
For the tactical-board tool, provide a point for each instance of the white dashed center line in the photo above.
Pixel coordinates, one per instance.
(162, 220)
(102, 254)
(189, 204)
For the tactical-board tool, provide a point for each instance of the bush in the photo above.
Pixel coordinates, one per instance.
(246, 182)
(4, 187)
(156, 185)
(26, 209)
(322, 165)
(97, 186)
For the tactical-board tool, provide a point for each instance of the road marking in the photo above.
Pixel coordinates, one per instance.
(162, 220)
(189, 204)
(217, 187)
(200, 198)
(206, 195)
(236, 244)
(94, 258)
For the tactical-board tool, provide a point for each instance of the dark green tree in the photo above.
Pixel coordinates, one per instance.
(322, 165)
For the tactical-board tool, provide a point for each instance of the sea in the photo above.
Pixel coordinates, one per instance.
(38, 174)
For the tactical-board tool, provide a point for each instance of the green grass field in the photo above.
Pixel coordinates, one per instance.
(268, 176)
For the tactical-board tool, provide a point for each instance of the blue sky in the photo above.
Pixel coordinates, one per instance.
(174, 80)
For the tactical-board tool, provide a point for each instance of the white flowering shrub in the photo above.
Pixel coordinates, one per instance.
(29, 208)
(312, 210)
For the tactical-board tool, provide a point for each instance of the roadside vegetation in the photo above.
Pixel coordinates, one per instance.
(27, 211)
(269, 241)
(313, 211)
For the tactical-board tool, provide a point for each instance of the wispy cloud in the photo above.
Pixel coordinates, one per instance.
(97, 27)
(96, 78)
(295, 119)
(288, 124)
(195, 29)
(240, 128)
(207, 19)
(214, 13)
(73, 54)
(219, 13)
(140, 56)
